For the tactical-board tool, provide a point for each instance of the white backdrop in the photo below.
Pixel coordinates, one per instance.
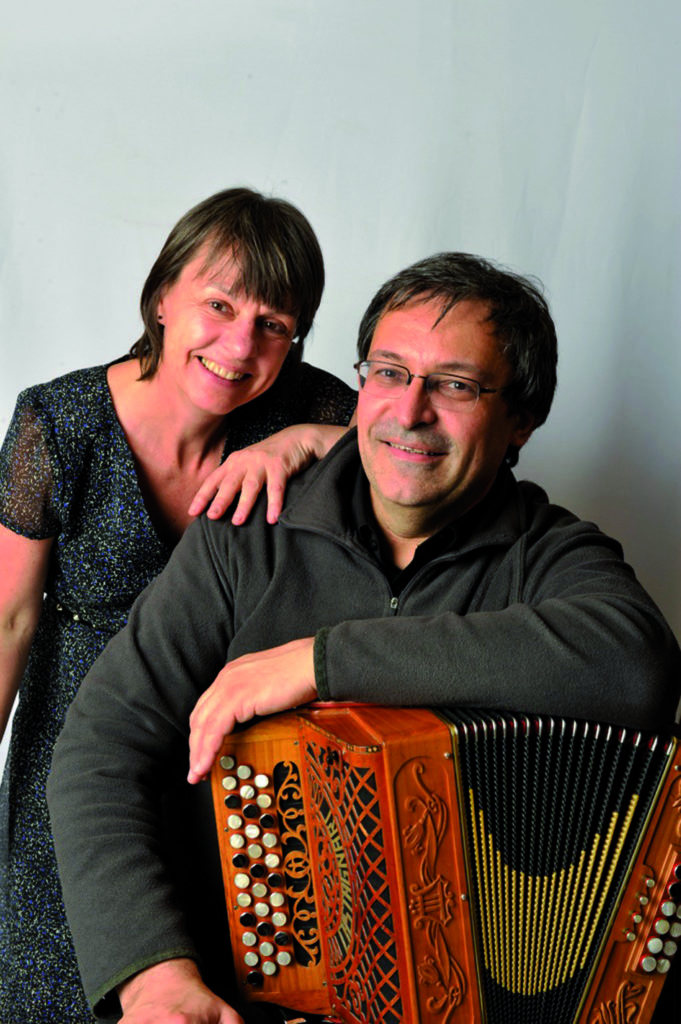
(542, 134)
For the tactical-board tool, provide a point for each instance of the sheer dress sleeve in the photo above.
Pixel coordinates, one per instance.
(29, 473)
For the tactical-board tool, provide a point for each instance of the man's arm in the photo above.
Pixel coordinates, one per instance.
(124, 744)
(579, 637)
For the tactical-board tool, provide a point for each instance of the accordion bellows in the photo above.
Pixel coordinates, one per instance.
(404, 866)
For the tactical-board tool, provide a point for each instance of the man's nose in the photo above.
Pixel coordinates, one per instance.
(414, 404)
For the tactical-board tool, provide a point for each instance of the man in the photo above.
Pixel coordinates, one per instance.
(409, 567)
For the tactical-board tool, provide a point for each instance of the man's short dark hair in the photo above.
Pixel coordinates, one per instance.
(518, 313)
(275, 250)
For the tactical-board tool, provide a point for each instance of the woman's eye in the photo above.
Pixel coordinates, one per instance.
(274, 327)
(220, 307)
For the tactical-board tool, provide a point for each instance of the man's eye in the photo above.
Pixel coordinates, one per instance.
(220, 307)
(457, 385)
(386, 373)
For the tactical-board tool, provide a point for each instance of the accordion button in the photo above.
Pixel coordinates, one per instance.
(282, 938)
(264, 929)
(663, 965)
(251, 959)
(266, 949)
(284, 958)
(279, 919)
(675, 930)
(237, 841)
(249, 938)
(235, 821)
(240, 860)
(269, 840)
(251, 811)
(263, 800)
(269, 968)
(247, 920)
(262, 910)
(661, 926)
(262, 781)
(252, 831)
(648, 964)
(247, 792)
(233, 801)
(229, 782)
(259, 890)
(272, 860)
(244, 899)
(674, 890)
(668, 908)
(669, 948)
(244, 771)
(254, 851)
(258, 871)
(277, 900)
(654, 945)
(267, 821)
(275, 880)
(227, 762)
(242, 880)
(254, 979)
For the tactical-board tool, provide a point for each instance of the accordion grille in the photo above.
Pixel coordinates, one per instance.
(352, 878)
(553, 811)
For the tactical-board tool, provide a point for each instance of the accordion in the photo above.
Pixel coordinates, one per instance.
(401, 865)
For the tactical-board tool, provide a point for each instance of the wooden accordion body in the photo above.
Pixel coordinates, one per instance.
(404, 866)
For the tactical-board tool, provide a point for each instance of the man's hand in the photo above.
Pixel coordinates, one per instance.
(172, 992)
(256, 684)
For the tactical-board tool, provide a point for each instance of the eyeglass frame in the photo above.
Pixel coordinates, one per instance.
(426, 377)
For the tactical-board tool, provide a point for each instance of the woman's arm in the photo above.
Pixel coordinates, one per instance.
(270, 462)
(24, 570)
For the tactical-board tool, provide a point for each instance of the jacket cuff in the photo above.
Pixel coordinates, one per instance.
(319, 653)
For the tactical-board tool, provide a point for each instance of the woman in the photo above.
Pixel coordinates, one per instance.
(96, 478)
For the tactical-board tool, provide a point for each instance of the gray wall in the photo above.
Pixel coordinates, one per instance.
(545, 135)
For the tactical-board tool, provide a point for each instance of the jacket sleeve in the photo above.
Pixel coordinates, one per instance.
(575, 635)
(124, 742)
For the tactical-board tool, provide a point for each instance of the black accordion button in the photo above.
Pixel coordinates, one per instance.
(254, 979)
(240, 860)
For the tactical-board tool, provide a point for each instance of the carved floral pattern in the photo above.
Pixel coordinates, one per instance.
(432, 899)
(624, 1009)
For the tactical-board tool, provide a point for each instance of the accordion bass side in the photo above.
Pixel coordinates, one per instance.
(405, 866)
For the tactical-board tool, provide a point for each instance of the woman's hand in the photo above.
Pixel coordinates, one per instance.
(270, 462)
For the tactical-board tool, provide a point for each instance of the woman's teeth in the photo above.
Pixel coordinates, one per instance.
(220, 371)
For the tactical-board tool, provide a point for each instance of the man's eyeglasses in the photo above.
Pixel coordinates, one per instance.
(446, 390)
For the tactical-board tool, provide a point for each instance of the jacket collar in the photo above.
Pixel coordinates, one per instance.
(320, 500)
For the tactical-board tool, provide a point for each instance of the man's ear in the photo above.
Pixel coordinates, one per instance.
(523, 428)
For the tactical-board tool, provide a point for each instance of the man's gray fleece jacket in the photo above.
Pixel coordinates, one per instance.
(530, 609)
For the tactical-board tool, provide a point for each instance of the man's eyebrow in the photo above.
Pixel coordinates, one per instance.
(452, 366)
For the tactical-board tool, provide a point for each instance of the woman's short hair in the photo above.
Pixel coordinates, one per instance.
(274, 247)
(517, 311)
